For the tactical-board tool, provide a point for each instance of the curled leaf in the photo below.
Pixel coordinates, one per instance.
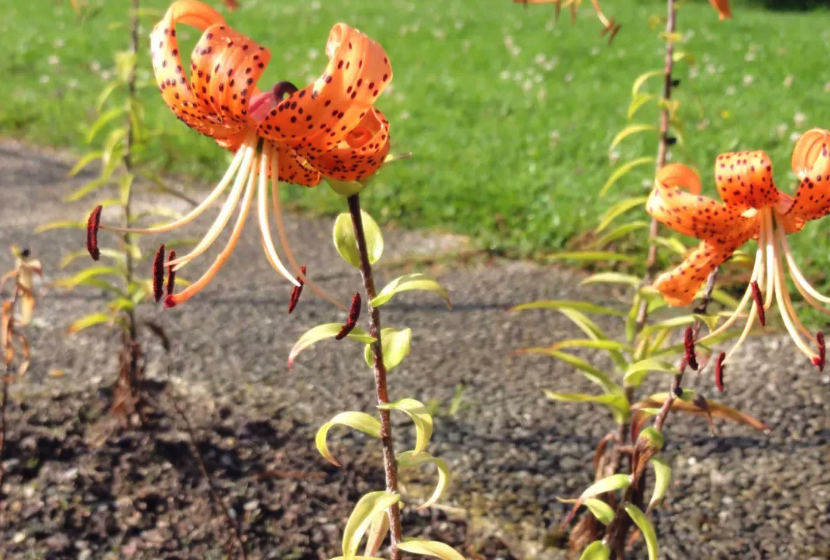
(322, 332)
(420, 417)
(662, 477)
(596, 551)
(346, 243)
(358, 420)
(408, 459)
(415, 281)
(616, 402)
(396, 346)
(646, 527)
(364, 512)
(430, 548)
(601, 510)
(636, 372)
(377, 534)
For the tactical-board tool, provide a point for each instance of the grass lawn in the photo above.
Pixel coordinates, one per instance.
(509, 116)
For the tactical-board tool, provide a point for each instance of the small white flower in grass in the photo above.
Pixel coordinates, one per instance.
(504, 74)
(799, 119)
(95, 66)
(613, 157)
(694, 72)
(53, 60)
(569, 77)
(730, 90)
(58, 43)
(316, 5)
(554, 138)
(710, 69)
(827, 87)
(540, 59)
(781, 130)
(794, 137)
(44, 79)
(749, 57)
(404, 115)
(72, 84)
(542, 95)
(459, 25)
(527, 85)
(106, 75)
(313, 54)
(748, 79)
(595, 51)
(439, 34)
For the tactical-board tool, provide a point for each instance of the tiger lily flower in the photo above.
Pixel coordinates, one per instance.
(329, 129)
(722, 6)
(752, 208)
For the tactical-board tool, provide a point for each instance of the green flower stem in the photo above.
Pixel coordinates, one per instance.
(390, 463)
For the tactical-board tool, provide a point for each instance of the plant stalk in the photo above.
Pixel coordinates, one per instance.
(390, 463)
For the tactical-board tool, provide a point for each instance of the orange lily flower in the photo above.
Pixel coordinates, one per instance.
(329, 129)
(752, 208)
(722, 6)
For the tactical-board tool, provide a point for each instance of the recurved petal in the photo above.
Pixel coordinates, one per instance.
(744, 180)
(293, 168)
(320, 116)
(678, 175)
(360, 154)
(722, 6)
(812, 164)
(680, 285)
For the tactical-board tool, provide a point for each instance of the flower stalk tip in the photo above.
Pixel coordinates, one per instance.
(351, 321)
(92, 225)
(689, 344)
(171, 273)
(297, 292)
(158, 273)
(821, 359)
(719, 370)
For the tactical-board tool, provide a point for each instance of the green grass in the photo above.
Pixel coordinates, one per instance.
(510, 145)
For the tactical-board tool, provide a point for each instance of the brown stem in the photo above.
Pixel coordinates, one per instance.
(662, 148)
(390, 463)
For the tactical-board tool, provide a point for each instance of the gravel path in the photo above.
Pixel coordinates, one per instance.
(742, 494)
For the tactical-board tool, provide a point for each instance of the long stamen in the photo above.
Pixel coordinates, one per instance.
(244, 153)
(798, 278)
(771, 260)
(264, 223)
(753, 312)
(197, 286)
(275, 197)
(785, 296)
(782, 298)
(248, 170)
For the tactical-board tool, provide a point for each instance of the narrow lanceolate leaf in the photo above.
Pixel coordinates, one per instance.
(646, 528)
(64, 224)
(377, 534)
(619, 209)
(420, 417)
(611, 278)
(619, 232)
(595, 344)
(662, 477)
(637, 102)
(608, 484)
(601, 510)
(591, 373)
(623, 170)
(88, 188)
(396, 346)
(716, 409)
(642, 79)
(408, 282)
(88, 321)
(102, 122)
(583, 306)
(591, 256)
(628, 131)
(358, 420)
(322, 332)
(72, 257)
(430, 548)
(346, 243)
(83, 162)
(81, 277)
(407, 460)
(364, 512)
(596, 551)
(636, 372)
(617, 403)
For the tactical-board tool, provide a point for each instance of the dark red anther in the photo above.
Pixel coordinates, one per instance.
(759, 303)
(354, 315)
(689, 344)
(719, 368)
(171, 274)
(170, 302)
(282, 89)
(92, 225)
(821, 359)
(297, 292)
(158, 273)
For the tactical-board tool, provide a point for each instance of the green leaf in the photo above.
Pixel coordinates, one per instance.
(608, 484)
(65, 224)
(615, 402)
(638, 101)
(602, 511)
(364, 512)
(430, 548)
(646, 527)
(629, 130)
(583, 306)
(593, 374)
(622, 170)
(408, 282)
(124, 187)
(662, 477)
(595, 344)
(79, 278)
(683, 56)
(619, 209)
(618, 232)
(596, 551)
(82, 253)
(420, 417)
(321, 332)
(591, 256)
(346, 243)
(636, 372)
(396, 346)
(377, 534)
(84, 161)
(357, 420)
(673, 323)
(87, 188)
(103, 121)
(124, 64)
(611, 278)
(642, 79)
(105, 94)
(88, 321)
(407, 460)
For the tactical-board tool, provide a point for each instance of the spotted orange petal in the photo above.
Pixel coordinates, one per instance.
(744, 180)
(680, 285)
(811, 162)
(320, 116)
(361, 153)
(722, 6)
(293, 168)
(686, 212)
